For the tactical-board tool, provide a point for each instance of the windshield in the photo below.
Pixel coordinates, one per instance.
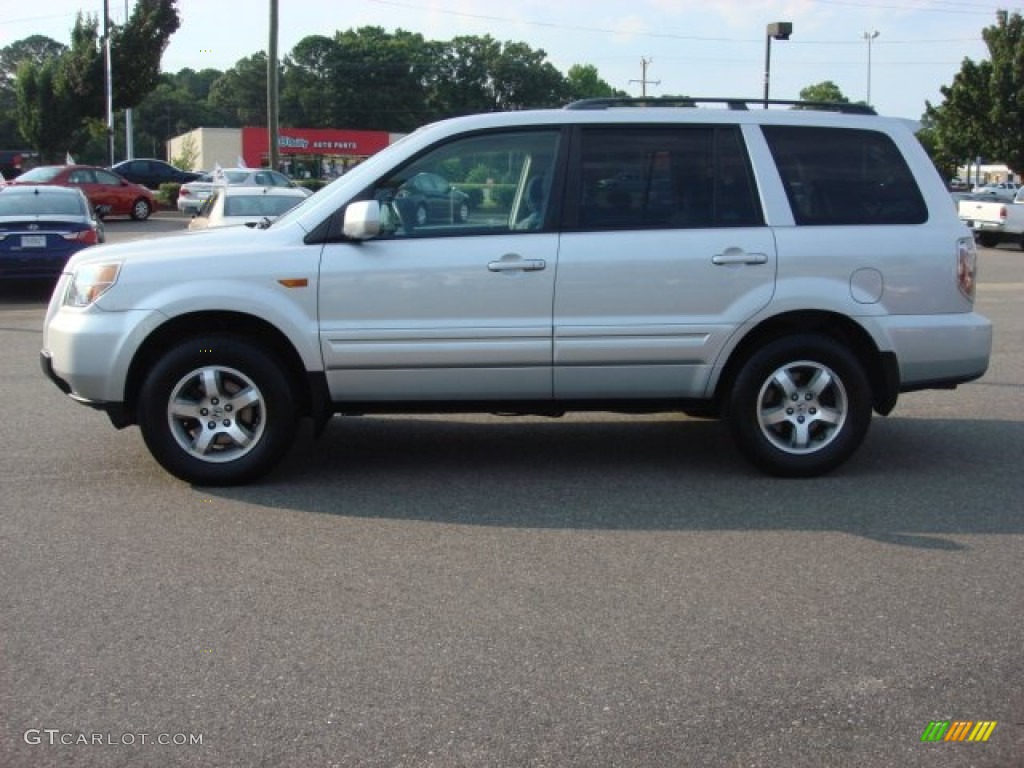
(40, 205)
(44, 173)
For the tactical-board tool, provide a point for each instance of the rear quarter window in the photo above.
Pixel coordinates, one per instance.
(844, 176)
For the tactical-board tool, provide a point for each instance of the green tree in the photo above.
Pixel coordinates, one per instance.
(306, 81)
(137, 47)
(45, 110)
(379, 79)
(825, 91)
(35, 49)
(1005, 41)
(583, 82)
(961, 128)
(982, 112)
(240, 94)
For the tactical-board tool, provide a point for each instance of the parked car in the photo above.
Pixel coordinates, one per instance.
(152, 173)
(801, 271)
(1005, 190)
(109, 194)
(229, 206)
(41, 227)
(429, 198)
(191, 196)
(993, 220)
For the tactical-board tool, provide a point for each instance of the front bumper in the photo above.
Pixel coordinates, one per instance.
(117, 412)
(87, 353)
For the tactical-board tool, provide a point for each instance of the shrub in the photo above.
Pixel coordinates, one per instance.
(167, 194)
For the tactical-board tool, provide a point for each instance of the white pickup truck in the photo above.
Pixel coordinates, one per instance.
(994, 221)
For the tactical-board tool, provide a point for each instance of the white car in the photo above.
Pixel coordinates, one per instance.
(791, 271)
(1004, 190)
(252, 206)
(191, 196)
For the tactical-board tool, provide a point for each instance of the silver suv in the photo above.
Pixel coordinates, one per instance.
(789, 270)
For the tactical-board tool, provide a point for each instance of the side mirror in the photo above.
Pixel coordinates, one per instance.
(362, 220)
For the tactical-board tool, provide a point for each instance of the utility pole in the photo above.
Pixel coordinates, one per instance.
(272, 122)
(129, 139)
(108, 82)
(643, 78)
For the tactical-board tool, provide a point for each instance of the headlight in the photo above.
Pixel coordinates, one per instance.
(90, 282)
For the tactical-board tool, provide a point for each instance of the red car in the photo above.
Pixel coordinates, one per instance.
(109, 194)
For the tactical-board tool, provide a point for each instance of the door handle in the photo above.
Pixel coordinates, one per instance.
(517, 265)
(736, 256)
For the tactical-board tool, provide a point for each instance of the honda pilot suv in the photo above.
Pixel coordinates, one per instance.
(788, 270)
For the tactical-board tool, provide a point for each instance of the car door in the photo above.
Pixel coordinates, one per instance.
(664, 256)
(99, 194)
(449, 310)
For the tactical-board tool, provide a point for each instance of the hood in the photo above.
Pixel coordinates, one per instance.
(189, 247)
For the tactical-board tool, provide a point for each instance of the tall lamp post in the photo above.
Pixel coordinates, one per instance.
(108, 82)
(779, 30)
(869, 36)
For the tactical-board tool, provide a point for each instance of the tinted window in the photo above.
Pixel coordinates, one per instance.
(845, 176)
(652, 176)
(40, 205)
(474, 185)
(259, 205)
(41, 174)
(104, 177)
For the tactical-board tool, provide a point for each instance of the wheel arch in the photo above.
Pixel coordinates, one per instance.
(311, 398)
(879, 367)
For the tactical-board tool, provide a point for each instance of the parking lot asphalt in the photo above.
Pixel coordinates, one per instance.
(599, 590)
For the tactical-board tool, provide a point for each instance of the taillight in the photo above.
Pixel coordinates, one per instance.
(1002, 212)
(967, 266)
(183, 192)
(87, 236)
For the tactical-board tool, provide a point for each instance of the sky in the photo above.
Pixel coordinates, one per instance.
(693, 47)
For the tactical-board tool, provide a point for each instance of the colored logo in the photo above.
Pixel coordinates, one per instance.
(958, 730)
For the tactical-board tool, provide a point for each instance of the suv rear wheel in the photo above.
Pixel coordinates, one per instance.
(217, 410)
(800, 406)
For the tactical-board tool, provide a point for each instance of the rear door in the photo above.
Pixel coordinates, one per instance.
(665, 254)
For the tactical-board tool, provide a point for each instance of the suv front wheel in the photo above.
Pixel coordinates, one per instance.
(800, 406)
(217, 410)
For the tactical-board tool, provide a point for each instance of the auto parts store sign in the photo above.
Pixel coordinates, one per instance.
(314, 141)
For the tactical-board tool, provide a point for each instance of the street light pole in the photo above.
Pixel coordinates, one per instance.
(779, 30)
(273, 124)
(129, 138)
(869, 36)
(108, 82)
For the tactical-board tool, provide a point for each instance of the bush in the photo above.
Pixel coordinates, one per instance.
(167, 194)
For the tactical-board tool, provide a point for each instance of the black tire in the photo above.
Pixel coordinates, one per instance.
(141, 209)
(217, 410)
(800, 406)
(988, 240)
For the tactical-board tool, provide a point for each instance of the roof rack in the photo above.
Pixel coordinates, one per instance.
(737, 104)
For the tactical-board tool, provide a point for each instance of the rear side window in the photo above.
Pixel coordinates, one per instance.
(660, 176)
(844, 176)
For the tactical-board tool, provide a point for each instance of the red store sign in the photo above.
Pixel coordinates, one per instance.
(312, 141)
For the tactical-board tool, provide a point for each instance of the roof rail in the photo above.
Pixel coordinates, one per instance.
(738, 104)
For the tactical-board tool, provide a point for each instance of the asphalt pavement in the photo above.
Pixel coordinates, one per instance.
(470, 591)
